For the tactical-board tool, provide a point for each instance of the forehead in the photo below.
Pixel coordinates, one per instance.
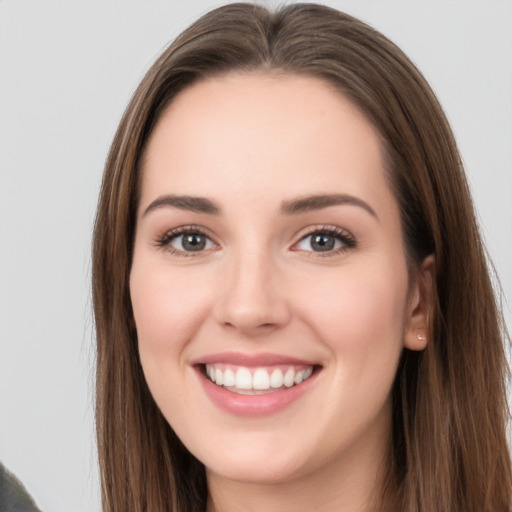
(262, 134)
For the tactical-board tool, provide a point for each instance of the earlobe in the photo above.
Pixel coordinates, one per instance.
(417, 328)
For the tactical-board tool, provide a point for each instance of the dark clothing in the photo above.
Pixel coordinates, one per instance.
(13, 496)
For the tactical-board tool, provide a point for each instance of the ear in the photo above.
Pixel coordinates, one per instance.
(417, 327)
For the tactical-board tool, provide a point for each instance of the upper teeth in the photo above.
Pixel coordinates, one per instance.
(242, 378)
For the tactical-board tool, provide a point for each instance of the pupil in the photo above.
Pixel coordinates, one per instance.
(194, 242)
(322, 242)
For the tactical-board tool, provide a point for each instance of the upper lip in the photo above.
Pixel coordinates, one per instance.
(251, 360)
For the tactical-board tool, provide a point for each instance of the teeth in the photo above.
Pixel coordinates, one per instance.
(243, 379)
(276, 379)
(289, 378)
(259, 379)
(229, 378)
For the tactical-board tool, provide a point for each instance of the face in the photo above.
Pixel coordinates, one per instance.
(269, 258)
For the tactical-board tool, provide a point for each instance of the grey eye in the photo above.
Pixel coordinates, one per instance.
(320, 242)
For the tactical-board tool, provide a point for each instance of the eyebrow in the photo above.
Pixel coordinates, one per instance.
(294, 206)
(317, 202)
(190, 203)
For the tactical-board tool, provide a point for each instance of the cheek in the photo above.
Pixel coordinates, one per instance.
(167, 308)
(359, 317)
(359, 313)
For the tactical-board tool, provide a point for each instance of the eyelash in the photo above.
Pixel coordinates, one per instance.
(164, 241)
(347, 239)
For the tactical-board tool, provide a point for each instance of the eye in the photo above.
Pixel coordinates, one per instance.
(326, 240)
(184, 241)
(191, 242)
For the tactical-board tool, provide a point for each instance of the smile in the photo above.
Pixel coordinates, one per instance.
(256, 385)
(252, 381)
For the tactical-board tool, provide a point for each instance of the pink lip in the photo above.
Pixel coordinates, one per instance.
(250, 360)
(253, 405)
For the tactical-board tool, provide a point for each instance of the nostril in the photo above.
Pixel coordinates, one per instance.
(267, 326)
(249, 327)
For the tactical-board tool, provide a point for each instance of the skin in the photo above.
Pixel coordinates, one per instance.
(250, 142)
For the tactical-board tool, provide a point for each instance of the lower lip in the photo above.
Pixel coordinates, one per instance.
(254, 405)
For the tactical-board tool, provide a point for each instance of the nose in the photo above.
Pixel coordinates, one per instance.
(252, 296)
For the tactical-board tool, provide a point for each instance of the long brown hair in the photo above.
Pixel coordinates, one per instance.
(449, 448)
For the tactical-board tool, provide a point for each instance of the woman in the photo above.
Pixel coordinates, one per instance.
(281, 258)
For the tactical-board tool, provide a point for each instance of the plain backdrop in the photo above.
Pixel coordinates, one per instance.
(67, 70)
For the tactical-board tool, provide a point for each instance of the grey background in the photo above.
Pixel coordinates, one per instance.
(67, 70)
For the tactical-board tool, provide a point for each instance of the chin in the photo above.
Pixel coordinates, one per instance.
(258, 470)
(260, 458)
